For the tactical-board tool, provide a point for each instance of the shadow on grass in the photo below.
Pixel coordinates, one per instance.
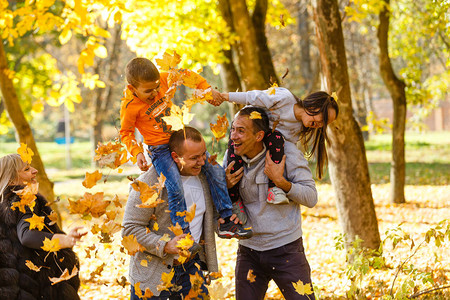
(416, 173)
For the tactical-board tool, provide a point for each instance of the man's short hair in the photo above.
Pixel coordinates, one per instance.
(141, 70)
(258, 123)
(176, 141)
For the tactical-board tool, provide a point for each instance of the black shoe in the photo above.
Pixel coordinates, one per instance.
(230, 230)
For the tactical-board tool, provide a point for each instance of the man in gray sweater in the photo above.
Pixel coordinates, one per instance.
(276, 249)
(150, 227)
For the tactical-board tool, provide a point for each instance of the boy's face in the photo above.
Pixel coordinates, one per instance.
(146, 91)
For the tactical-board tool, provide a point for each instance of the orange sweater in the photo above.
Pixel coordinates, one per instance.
(147, 118)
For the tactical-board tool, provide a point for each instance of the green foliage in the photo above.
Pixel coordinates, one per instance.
(362, 263)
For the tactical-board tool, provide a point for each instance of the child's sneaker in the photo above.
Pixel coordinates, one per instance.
(277, 196)
(238, 210)
(230, 230)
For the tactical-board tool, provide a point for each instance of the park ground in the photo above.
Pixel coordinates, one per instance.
(427, 191)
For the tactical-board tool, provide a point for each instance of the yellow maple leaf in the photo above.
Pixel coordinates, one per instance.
(272, 89)
(186, 242)
(32, 266)
(91, 179)
(250, 276)
(155, 226)
(166, 279)
(51, 245)
(334, 95)
(64, 276)
(255, 115)
(302, 289)
(177, 230)
(144, 263)
(189, 214)
(168, 61)
(131, 244)
(199, 96)
(25, 153)
(178, 117)
(36, 222)
(220, 129)
(148, 194)
(191, 79)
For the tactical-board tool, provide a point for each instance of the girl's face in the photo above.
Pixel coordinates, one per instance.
(317, 120)
(27, 174)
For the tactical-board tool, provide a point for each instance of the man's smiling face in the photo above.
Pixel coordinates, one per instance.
(245, 140)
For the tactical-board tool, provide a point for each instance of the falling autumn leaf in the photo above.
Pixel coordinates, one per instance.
(148, 194)
(91, 179)
(168, 61)
(189, 214)
(165, 238)
(302, 289)
(53, 218)
(191, 79)
(177, 230)
(219, 130)
(116, 201)
(334, 95)
(255, 115)
(155, 227)
(89, 204)
(25, 153)
(178, 117)
(144, 263)
(36, 222)
(131, 244)
(283, 24)
(51, 245)
(250, 276)
(32, 266)
(166, 279)
(212, 159)
(65, 276)
(272, 89)
(199, 96)
(27, 197)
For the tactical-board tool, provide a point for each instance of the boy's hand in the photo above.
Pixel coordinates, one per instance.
(142, 162)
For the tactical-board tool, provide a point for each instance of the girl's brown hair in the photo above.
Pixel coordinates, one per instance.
(315, 104)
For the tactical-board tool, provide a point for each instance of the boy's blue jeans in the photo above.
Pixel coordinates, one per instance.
(215, 175)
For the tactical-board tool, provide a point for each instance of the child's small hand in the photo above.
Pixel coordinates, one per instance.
(142, 162)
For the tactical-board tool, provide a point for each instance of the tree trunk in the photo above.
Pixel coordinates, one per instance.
(230, 79)
(23, 129)
(104, 96)
(251, 71)
(305, 45)
(265, 58)
(348, 163)
(396, 88)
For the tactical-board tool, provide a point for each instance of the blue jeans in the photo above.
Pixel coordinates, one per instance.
(180, 278)
(215, 175)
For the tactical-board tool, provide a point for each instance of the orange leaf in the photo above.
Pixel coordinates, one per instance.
(149, 194)
(27, 196)
(89, 204)
(51, 245)
(53, 218)
(250, 276)
(91, 179)
(168, 61)
(36, 222)
(116, 201)
(220, 129)
(189, 214)
(131, 244)
(25, 153)
(191, 79)
(255, 115)
(177, 230)
(32, 266)
(65, 276)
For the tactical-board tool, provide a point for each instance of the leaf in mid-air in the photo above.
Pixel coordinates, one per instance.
(91, 179)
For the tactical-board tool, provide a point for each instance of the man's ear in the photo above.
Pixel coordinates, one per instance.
(175, 157)
(260, 136)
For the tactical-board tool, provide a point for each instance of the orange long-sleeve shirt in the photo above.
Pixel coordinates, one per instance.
(147, 118)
